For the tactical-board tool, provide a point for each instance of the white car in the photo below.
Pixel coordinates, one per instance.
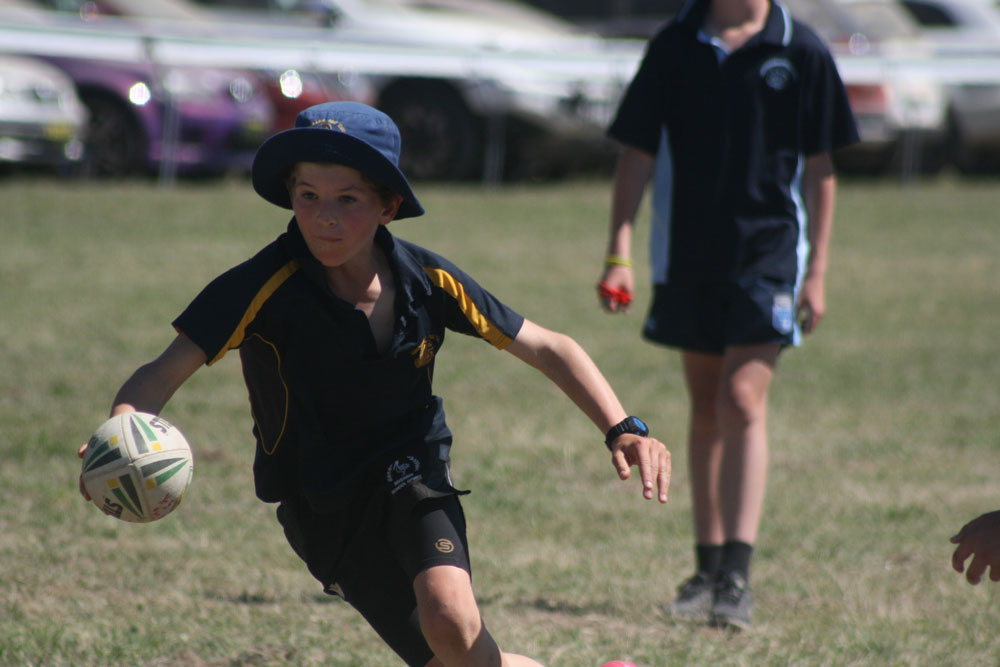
(42, 121)
(967, 29)
(899, 106)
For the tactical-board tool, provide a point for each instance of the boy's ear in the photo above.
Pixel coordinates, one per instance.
(390, 209)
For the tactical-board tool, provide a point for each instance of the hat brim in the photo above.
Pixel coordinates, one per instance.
(276, 157)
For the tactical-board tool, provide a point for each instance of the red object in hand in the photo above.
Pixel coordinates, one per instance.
(619, 296)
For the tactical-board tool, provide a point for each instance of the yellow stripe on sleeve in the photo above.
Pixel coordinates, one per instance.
(483, 326)
(265, 292)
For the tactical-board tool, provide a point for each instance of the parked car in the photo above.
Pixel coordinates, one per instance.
(146, 117)
(899, 105)
(189, 120)
(967, 28)
(42, 121)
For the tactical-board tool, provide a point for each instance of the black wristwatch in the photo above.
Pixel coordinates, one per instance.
(627, 425)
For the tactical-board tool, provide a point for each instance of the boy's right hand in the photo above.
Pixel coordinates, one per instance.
(81, 452)
(651, 457)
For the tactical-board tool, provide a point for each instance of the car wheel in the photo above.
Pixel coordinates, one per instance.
(441, 137)
(115, 144)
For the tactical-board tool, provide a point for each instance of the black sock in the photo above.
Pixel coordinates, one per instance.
(736, 558)
(708, 557)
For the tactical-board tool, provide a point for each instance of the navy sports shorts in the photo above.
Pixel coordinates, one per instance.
(370, 550)
(713, 316)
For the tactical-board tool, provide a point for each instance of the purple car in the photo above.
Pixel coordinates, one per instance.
(183, 120)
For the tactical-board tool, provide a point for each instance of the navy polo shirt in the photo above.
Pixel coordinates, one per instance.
(325, 403)
(731, 136)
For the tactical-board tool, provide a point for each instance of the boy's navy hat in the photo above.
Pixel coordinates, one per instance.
(347, 133)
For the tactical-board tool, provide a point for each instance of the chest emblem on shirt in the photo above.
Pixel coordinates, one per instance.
(425, 351)
(777, 73)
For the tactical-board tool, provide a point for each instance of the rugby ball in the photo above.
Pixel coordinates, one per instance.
(137, 467)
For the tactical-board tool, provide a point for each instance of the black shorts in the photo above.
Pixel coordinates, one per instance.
(370, 550)
(713, 316)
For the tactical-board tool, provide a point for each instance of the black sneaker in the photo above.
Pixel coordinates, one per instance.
(694, 598)
(733, 602)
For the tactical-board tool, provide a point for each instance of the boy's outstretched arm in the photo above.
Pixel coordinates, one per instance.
(152, 384)
(564, 362)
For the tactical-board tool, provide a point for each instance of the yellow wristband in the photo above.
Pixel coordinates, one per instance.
(617, 260)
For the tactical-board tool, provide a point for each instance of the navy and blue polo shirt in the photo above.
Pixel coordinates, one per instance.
(731, 135)
(325, 403)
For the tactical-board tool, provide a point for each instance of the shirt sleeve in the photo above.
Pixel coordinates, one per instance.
(639, 119)
(470, 309)
(218, 317)
(829, 117)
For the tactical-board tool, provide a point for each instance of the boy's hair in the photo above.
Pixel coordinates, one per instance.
(384, 193)
(347, 133)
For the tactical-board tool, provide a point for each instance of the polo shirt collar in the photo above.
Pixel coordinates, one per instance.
(411, 279)
(777, 29)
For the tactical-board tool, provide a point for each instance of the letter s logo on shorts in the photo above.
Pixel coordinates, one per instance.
(444, 545)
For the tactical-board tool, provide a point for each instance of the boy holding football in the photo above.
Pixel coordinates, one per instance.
(338, 323)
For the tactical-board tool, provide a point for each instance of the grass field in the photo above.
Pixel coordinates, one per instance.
(885, 435)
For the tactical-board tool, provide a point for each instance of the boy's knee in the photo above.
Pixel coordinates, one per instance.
(448, 630)
(449, 617)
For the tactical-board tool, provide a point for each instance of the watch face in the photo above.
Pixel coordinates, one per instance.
(630, 424)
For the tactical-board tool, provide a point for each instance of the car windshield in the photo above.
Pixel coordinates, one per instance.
(839, 22)
(499, 14)
(884, 20)
(154, 9)
(833, 22)
(508, 12)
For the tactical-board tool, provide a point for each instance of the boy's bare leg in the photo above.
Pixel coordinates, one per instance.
(452, 624)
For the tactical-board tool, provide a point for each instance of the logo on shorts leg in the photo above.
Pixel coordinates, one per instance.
(783, 313)
(402, 472)
(444, 545)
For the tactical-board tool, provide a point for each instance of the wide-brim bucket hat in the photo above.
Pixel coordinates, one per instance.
(351, 134)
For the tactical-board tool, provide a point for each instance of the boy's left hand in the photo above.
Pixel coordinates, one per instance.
(650, 455)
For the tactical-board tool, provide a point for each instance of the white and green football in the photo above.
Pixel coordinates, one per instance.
(137, 467)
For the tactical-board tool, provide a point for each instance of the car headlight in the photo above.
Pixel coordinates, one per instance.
(290, 82)
(139, 93)
(22, 89)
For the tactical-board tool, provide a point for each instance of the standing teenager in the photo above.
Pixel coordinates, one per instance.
(733, 114)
